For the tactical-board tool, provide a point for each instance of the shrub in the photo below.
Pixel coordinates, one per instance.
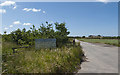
(44, 31)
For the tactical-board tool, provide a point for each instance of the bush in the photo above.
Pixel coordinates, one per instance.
(22, 37)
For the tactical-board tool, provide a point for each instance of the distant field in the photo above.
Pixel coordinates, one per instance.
(105, 41)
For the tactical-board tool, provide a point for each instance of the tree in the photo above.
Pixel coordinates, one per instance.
(16, 35)
(5, 36)
(44, 31)
(83, 36)
(5, 32)
(61, 33)
(99, 35)
(90, 36)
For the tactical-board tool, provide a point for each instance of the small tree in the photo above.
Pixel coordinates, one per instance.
(83, 36)
(44, 31)
(5, 32)
(61, 33)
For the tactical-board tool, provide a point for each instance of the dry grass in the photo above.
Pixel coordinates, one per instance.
(59, 60)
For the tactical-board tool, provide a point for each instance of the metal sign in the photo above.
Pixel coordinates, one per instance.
(45, 43)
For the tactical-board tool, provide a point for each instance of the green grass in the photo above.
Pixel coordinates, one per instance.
(105, 41)
(59, 60)
(7, 47)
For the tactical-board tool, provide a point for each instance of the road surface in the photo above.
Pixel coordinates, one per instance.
(101, 58)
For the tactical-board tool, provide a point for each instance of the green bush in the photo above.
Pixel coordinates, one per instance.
(22, 37)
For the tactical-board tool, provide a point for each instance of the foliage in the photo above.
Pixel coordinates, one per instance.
(83, 36)
(62, 59)
(22, 37)
(61, 33)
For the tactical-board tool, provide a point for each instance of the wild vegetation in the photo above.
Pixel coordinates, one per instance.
(60, 60)
(22, 37)
(63, 59)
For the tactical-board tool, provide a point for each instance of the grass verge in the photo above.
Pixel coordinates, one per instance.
(105, 41)
(60, 60)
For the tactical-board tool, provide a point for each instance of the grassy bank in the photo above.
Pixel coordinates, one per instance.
(28, 60)
(105, 41)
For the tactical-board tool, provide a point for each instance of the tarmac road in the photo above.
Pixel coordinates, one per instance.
(102, 58)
